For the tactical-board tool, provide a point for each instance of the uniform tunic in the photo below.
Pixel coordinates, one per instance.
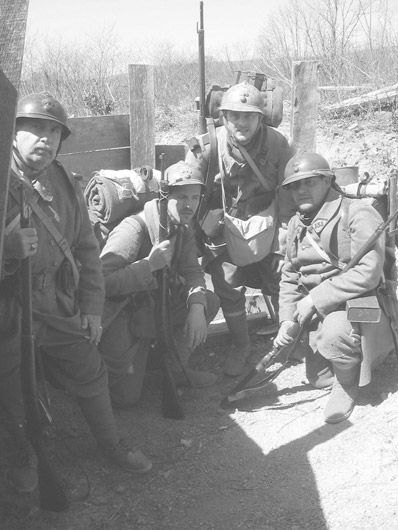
(128, 278)
(271, 152)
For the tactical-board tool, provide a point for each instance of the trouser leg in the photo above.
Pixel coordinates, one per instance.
(196, 378)
(340, 344)
(97, 411)
(125, 356)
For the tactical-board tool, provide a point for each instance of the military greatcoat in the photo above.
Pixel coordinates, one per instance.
(57, 301)
(308, 269)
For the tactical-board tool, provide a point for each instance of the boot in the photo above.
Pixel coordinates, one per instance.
(345, 389)
(235, 362)
(98, 412)
(22, 473)
(183, 375)
(318, 370)
(194, 378)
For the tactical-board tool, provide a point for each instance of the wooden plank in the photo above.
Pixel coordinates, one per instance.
(97, 132)
(13, 15)
(142, 115)
(173, 154)
(304, 104)
(86, 163)
(375, 97)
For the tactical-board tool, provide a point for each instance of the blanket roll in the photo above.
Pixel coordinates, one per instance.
(112, 195)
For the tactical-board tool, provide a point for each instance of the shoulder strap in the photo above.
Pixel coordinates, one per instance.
(252, 164)
(56, 234)
(254, 167)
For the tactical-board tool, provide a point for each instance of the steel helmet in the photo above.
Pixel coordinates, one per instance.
(43, 106)
(181, 173)
(306, 165)
(243, 98)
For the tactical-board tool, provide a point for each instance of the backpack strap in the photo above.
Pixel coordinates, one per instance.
(246, 155)
(52, 229)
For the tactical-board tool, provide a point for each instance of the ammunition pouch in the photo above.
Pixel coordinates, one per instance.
(365, 309)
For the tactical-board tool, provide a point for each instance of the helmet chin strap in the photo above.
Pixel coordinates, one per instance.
(29, 171)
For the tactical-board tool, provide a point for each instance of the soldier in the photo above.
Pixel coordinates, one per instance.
(130, 257)
(246, 146)
(67, 285)
(326, 233)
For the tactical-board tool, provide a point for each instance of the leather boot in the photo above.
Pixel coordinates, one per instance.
(318, 370)
(345, 389)
(22, 473)
(183, 375)
(235, 362)
(98, 412)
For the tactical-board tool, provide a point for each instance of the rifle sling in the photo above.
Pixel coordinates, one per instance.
(56, 234)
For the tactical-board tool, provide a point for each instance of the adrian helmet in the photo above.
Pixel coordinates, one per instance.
(306, 165)
(181, 173)
(243, 98)
(45, 107)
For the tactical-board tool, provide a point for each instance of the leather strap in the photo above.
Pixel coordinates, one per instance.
(251, 163)
(56, 234)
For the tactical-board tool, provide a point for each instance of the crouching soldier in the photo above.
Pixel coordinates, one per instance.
(67, 298)
(322, 237)
(130, 257)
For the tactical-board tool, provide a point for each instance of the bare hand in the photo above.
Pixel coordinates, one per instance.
(21, 243)
(160, 256)
(304, 310)
(286, 334)
(195, 328)
(92, 323)
(277, 263)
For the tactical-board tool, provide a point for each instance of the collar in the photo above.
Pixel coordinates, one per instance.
(231, 155)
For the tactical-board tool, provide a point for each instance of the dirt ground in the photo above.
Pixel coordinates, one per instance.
(267, 463)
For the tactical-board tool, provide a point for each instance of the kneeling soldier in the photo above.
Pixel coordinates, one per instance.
(322, 237)
(130, 257)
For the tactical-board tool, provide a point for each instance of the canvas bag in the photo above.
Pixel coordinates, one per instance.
(248, 241)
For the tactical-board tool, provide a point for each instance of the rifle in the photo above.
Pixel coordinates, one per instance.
(202, 87)
(241, 390)
(171, 406)
(52, 496)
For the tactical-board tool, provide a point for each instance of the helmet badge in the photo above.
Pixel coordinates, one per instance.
(244, 96)
(296, 167)
(48, 104)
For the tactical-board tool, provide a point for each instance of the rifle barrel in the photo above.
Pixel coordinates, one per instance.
(202, 81)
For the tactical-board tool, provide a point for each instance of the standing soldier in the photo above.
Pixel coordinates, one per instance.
(253, 158)
(326, 233)
(67, 285)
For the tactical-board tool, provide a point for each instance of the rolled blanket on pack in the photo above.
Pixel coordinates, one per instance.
(112, 195)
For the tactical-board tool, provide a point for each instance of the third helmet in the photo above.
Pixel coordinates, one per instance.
(306, 165)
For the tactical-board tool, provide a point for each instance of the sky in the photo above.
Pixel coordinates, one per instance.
(172, 21)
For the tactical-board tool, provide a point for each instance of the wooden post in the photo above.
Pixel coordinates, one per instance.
(13, 15)
(305, 101)
(142, 115)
